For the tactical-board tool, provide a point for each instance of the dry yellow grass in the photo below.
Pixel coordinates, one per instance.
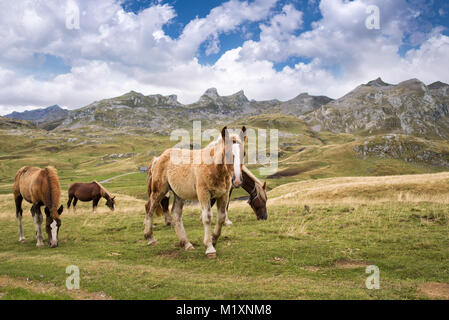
(406, 188)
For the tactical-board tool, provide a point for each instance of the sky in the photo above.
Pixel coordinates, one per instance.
(75, 52)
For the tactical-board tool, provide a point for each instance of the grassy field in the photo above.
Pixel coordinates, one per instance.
(319, 253)
(331, 214)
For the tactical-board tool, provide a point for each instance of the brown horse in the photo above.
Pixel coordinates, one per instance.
(86, 192)
(40, 187)
(211, 177)
(257, 195)
(256, 190)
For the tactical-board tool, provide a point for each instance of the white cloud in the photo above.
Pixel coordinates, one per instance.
(115, 51)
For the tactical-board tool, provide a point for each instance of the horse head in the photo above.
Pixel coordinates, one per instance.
(110, 202)
(258, 201)
(53, 225)
(234, 150)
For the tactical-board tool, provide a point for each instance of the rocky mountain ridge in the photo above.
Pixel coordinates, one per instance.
(409, 107)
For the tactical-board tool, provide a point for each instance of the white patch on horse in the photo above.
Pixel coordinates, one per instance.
(54, 231)
(236, 153)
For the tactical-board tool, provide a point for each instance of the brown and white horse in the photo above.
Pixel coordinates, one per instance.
(86, 192)
(218, 169)
(40, 187)
(254, 187)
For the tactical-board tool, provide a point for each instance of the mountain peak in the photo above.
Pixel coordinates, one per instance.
(377, 83)
(211, 93)
(437, 85)
(412, 84)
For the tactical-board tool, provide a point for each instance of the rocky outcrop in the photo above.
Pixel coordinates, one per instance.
(407, 148)
(410, 108)
(303, 104)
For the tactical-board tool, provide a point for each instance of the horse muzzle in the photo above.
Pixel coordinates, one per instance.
(53, 244)
(236, 182)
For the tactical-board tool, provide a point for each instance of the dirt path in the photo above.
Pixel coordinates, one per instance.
(119, 176)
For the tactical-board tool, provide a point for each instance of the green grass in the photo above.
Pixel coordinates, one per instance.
(293, 255)
(256, 260)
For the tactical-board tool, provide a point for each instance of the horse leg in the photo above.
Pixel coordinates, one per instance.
(95, 204)
(18, 199)
(165, 207)
(37, 218)
(152, 205)
(178, 204)
(75, 201)
(69, 202)
(221, 217)
(206, 217)
(227, 221)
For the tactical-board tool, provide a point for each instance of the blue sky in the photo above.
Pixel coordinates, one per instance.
(269, 48)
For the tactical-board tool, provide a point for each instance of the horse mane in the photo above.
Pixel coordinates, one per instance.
(103, 190)
(54, 190)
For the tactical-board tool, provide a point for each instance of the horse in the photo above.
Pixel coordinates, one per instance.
(86, 192)
(256, 190)
(257, 195)
(40, 187)
(211, 177)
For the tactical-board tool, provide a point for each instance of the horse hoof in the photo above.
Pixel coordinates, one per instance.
(152, 242)
(228, 223)
(39, 245)
(212, 255)
(189, 247)
(22, 240)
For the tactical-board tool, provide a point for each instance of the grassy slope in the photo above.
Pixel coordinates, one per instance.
(293, 255)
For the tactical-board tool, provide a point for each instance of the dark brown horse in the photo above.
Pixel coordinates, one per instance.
(256, 190)
(86, 192)
(40, 187)
(257, 195)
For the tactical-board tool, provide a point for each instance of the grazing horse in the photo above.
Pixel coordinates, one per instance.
(40, 187)
(257, 195)
(86, 192)
(202, 175)
(256, 190)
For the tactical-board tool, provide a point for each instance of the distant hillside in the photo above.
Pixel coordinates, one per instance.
(7, 123)
(410, 108)
(161, 114)
(49, 117)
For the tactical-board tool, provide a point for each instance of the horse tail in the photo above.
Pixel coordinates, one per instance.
(53, 189)
(150, 175)
(160, 209)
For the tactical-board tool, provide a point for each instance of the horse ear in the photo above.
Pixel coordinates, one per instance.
(243, 136)
(265, 186)
(224, 133)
